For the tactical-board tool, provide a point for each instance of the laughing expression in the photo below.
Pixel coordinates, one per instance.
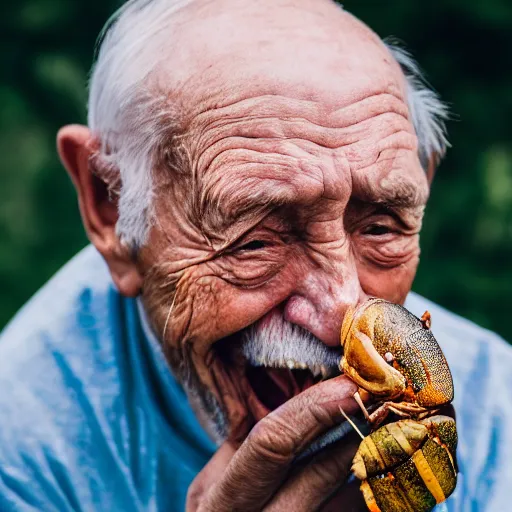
(292, 190)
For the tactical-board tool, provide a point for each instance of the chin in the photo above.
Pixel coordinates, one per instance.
(247, 375)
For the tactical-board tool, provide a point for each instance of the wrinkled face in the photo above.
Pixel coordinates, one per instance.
(297, 193)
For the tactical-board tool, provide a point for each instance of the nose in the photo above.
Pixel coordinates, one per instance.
(321, 299)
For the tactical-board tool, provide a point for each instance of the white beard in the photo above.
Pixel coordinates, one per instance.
(273, 342)
(280, 344)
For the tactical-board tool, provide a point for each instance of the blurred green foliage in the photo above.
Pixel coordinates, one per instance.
(46, 52)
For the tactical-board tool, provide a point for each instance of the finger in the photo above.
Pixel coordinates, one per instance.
(262, 462)
(208, 476)
(348, 498)
(311, 486)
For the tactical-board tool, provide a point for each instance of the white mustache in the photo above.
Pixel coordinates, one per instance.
(280, 344)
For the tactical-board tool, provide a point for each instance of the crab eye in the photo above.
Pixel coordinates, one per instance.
(388, 356)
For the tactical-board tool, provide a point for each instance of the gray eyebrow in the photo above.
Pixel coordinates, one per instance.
(405, 196)
(218, 216)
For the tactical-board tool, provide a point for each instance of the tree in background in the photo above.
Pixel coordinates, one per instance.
(46, 52)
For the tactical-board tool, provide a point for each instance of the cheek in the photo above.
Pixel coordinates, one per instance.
(206, 308)
(391, 284)
(388, 253)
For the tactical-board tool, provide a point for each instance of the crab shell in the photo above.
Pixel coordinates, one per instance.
(393, 355)
(408, 466)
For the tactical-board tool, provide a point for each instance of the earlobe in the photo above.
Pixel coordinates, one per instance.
(98, 206)
(125, 275)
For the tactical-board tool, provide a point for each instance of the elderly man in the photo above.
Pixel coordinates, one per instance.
(250, 171)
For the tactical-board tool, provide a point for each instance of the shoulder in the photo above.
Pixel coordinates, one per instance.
(463, 342)
(53, 398)
(56, 303)
(62, 332)
(479, 359)
(481, 363)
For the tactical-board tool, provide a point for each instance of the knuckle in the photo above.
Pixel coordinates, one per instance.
(274, 438)
(279, 437)
(320, 415)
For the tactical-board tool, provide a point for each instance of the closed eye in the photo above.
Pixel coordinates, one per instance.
(254, 245)
(377, 230)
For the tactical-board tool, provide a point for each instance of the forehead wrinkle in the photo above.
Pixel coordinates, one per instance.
(295, 138)
(397, 181)
(257, 133)
(232, 183)
(247, 117)
(231, 203)
(270, 129)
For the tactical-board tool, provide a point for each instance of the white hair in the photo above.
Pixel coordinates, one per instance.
(428, 112)
(131, 122)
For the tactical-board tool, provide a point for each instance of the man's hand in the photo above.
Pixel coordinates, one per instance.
(260, 474)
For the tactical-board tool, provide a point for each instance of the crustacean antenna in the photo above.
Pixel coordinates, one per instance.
(354, 426)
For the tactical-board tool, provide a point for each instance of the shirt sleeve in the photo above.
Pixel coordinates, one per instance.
(484, 416)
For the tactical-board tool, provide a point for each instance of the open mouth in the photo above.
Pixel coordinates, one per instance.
(274, 386)
(273, 361)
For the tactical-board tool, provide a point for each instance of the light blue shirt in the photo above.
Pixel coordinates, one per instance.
(92, 419)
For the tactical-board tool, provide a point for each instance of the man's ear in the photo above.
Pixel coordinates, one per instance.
(98, 206)
(432, 167)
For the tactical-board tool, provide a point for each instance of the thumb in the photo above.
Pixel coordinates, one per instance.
(325, 474)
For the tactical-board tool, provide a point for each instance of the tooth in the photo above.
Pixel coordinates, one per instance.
(302, 366)
(290, 364)
(325, 371)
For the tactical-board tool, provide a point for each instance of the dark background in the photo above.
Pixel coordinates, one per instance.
(464, 47)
